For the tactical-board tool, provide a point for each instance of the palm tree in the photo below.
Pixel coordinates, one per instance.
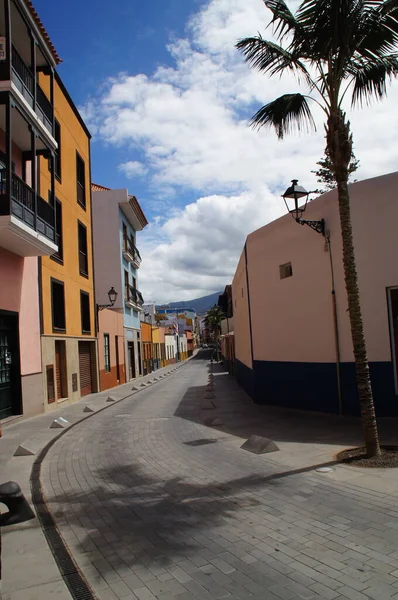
(213, 322)
(337, 47)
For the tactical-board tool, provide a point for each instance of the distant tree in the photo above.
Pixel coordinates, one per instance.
(159, 317)
(325, 172)
(213, 320)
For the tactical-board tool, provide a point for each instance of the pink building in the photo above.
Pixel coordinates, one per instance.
(27, 220)
(292, 333)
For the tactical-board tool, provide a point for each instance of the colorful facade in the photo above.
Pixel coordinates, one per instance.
(147, 348)
(116, 264)
(66, 278)
(291, 325)
(27, 214)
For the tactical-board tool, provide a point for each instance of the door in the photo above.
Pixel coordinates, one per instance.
(117, 358)
(131, 358)
(139, 359)
(60, 369)
(393, 314)
(85, 368)
(10, 374)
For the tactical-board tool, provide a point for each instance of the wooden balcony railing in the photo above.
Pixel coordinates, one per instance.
(27, 206)
(128, 246)
(26, 83)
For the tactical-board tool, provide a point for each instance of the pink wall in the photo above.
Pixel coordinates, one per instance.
(106, 241)
(241, 314)
(19, 293)
(110, 322)
(292, 318)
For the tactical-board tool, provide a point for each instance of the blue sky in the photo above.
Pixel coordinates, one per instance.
(105, 39)
(167, 98)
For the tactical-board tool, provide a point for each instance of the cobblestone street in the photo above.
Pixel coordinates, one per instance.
(153, 504)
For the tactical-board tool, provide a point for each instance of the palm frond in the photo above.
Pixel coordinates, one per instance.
(377, 34)
(283, 20)
(370, 78)
(286, 113)
(270, 58)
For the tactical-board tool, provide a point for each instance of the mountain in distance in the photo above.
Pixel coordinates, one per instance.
(201, 305)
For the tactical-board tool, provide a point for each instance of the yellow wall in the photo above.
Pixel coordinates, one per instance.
(73, 138)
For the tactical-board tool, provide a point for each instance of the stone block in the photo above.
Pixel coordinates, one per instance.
(59, 423)
(259, 445)
(24, 450)
(111, 399)
(88, 409)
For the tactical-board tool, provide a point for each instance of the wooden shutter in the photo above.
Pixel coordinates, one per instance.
(85, 368)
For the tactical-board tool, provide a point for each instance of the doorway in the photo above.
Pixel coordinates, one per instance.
(393, 316)
(60, 369)
(117, 358)
(85, 368)
(131, 359)
(139, 355)
(10, 372)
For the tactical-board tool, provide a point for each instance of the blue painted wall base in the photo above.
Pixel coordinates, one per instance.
(313, 386)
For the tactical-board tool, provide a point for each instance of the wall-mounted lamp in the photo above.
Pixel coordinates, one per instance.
(293, 194)
(112, 295)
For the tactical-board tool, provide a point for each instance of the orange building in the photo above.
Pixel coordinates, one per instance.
(147, 347)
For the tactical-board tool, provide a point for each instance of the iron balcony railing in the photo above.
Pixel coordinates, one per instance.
(25, 82)
(128, 246)
(133, 295)
(27, 206)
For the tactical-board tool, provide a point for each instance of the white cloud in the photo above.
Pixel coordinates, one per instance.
(133, 168)
(190, 123)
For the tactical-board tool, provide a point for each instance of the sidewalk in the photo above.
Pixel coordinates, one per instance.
(25, 544)
(305, 439)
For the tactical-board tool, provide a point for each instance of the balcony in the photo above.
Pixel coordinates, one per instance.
(23, 79)
(133, 298)
(27, 222)
(130, 253)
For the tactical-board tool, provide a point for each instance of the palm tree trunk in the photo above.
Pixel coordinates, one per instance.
(340, 145)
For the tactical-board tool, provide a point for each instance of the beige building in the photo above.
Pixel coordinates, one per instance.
(291, 326)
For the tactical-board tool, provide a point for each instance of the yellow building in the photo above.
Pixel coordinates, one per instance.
(68, 316)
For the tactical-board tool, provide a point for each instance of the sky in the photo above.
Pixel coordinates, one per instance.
(167, 98)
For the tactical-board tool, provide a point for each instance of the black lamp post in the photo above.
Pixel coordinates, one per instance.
(293, 194)
(112, 295)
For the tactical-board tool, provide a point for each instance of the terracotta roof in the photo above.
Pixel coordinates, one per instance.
(95, 187)
(41, 27)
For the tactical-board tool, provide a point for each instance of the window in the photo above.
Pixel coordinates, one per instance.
(58, 305)
(124, 237)
(58, 256)
(107, 359)
(81, 181)
(285, 270)
(85, 312)
(57, 153)
(83, 258)
(126, 286)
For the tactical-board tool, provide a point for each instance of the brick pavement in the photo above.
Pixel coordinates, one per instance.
(153, 504)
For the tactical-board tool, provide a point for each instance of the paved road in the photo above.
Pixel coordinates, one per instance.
(153, 504)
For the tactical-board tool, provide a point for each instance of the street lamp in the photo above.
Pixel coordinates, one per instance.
(293, 194)
(112, 295)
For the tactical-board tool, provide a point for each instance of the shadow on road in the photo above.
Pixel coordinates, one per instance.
(241, 417)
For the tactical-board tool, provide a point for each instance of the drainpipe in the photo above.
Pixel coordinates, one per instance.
(336, 327)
